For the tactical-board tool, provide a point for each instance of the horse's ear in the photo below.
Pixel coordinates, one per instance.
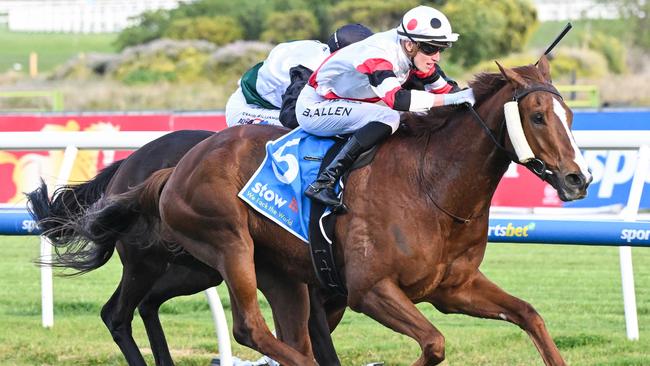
(515, 79)
(544, 67)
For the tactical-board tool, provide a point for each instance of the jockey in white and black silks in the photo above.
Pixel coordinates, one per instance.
(342, 92)
(259, 98)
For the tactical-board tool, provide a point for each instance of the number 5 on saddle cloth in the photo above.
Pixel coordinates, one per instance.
(276, 189)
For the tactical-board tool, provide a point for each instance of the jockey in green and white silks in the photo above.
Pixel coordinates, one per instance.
(342, 93)
(259, 96)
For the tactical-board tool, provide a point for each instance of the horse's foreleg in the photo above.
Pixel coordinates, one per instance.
(238, 270)
(482, 298)
(290, 305)
(386, 303)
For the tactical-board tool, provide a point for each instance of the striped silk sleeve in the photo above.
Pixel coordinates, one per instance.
(386, 86)
(433, 82)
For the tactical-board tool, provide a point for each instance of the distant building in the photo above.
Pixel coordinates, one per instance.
(574, 9)
(75, 16)
(101, 16)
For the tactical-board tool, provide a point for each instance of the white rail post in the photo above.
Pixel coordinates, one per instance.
(47, 296)
(47, 293)
(221, 326)
(625, 253)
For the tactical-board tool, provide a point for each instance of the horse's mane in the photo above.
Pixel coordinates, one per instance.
(484, 85)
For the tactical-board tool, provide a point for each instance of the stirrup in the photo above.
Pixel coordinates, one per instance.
(339, 209)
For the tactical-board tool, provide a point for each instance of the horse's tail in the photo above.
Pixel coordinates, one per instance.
(57, 218)
(68, 202)
(131, 217)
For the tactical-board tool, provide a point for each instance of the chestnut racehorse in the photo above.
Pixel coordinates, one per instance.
(151, 273)
(416, 226)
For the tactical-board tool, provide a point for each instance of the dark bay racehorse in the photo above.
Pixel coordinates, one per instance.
(151, 273)
(416, 229)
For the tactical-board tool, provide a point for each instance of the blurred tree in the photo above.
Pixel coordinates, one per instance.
(230, 62)
(488, 28)
(480, 30)
(250, 14)
(218, 30)
(149, 25)
(321, 10)
(521, 21)
(375, 15)
(610, 47)
(637, 13)
(289, 26)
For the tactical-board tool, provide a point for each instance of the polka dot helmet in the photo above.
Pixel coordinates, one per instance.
(426, 24)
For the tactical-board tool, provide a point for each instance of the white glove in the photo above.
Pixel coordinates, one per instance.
(463, 96)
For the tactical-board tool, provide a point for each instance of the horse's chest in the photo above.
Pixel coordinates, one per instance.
(419, 285)
(448, 260)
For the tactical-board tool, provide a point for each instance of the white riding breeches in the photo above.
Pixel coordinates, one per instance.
(329, 117)
(238, 112)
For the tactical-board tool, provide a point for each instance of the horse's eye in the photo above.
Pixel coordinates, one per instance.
(537, 118)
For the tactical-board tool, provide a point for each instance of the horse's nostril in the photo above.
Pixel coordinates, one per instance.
(574, 180)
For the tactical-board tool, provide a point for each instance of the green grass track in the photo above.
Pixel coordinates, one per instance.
(576, 289)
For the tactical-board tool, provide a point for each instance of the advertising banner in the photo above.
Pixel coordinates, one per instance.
(20, 171)
(592, 231)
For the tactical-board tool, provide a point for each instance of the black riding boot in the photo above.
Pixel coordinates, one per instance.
(322, 189)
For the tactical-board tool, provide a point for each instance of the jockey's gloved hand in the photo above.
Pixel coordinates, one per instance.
(463, 96)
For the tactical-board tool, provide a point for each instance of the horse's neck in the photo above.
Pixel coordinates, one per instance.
(465, 166)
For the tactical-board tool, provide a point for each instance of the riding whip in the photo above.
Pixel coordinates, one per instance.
(557, 40)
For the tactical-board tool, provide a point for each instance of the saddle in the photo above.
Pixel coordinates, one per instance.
(276, 189)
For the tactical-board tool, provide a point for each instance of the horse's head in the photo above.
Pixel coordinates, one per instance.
(539, 127)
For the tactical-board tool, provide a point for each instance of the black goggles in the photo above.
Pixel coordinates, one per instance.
(430, 49)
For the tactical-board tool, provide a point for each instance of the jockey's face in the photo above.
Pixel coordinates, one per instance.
(424, 62)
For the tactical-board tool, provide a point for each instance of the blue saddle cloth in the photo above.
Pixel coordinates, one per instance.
(276, 189)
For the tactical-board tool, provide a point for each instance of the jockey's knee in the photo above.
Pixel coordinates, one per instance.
(393, 123)
(391, 118)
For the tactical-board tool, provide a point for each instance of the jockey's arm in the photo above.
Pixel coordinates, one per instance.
(299, 76)
(454, 85)
(386, 86)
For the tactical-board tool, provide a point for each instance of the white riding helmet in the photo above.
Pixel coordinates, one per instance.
(426, 24)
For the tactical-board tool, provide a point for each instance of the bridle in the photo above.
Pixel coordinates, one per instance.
(535, 165)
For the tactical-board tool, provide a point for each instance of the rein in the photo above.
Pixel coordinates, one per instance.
(536, 166)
